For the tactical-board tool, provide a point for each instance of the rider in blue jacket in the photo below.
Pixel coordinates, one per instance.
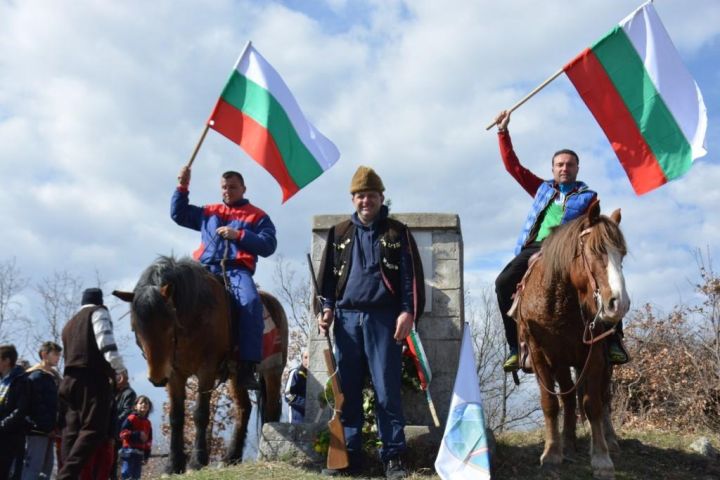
(232, 235)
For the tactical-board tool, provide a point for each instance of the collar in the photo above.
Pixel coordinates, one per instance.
(239, 203)
(382, 215)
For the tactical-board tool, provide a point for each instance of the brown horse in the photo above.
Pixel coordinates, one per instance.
(180, 316)
(569, 297)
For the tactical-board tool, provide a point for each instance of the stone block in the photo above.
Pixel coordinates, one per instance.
(446, 245)
(289, 442)
(433, 328)
(447, 303)
(446, 274)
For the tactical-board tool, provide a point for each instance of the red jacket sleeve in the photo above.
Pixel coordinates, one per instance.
(528, 180)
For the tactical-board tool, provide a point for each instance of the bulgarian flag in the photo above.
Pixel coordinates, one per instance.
(257, 111)
(637, 88)
(416, 352)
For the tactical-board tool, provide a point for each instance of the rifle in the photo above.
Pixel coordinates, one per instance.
(337, 457)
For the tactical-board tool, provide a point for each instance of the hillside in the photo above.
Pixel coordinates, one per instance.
(645, 455)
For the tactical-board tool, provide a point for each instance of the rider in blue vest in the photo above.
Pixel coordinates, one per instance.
(556, 201)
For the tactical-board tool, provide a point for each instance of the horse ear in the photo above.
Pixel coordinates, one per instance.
(616, 216)
(593, 211)
(166, 291)
(124, 296)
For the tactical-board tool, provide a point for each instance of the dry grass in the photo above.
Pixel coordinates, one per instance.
(645, 454)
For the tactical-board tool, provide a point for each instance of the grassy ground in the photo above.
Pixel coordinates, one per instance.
(644, 455)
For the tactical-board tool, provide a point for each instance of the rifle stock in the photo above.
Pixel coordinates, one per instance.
(337, 457)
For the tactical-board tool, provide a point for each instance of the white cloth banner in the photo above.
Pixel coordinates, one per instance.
(464, 451)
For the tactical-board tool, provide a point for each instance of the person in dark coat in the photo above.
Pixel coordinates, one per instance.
(43, 379)
(92, 362)
(14, 407)
(295, 390)
(369, 279)
(125, 398)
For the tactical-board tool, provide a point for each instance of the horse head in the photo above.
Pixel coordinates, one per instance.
(153, 321)
(599, 279)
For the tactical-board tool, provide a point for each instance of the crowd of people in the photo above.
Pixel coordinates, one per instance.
(87, 422)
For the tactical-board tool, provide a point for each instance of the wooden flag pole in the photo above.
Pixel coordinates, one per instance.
(431, 404)
(210, 122)
(530, 95)
(199, 143)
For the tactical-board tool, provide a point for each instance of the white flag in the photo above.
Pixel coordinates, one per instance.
(464, 451)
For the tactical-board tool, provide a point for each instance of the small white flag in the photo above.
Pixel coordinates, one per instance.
(464, 451)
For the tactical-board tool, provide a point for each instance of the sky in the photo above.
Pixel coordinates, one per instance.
(102, 102)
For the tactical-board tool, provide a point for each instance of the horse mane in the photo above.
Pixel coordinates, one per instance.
(562, 246)
(191, 292)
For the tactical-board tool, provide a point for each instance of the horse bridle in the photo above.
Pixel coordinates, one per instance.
(590, 326)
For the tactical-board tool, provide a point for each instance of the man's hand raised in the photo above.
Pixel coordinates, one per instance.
(502, 120)
(184, 176)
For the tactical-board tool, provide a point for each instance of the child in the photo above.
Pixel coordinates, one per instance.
(136, 436)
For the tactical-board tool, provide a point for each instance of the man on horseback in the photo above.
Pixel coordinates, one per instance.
(233, 234)
(556, 201)
(367, 280)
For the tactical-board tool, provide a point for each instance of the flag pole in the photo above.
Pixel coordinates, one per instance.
(530, 95)
(210, 122)
(433, 412)
(199, 143)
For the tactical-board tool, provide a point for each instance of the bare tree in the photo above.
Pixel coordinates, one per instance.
(295, 293)
(11, 284)
(506, 405)
(60, 296)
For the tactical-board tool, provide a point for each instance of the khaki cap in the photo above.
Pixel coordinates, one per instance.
(365, 179)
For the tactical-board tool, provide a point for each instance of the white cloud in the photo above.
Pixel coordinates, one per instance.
(102, 102)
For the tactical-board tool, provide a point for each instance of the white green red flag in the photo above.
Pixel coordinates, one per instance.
(257, 111)
(417, 353)
(645, 100)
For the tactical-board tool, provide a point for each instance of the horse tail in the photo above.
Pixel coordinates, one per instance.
(277, 314)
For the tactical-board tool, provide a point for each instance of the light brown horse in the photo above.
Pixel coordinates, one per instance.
(571, 294)
(180, 316)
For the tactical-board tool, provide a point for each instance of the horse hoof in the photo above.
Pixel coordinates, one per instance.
(550, 460)
(604, 474)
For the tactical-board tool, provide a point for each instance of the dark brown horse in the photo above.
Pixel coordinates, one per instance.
(180, 316)
(571, 295)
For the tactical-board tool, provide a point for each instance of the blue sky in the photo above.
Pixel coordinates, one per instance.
(102, 102)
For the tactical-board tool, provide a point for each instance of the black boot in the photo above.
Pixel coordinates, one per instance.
(246, 376)
(394, 469)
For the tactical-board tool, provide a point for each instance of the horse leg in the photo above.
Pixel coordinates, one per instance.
(242, 418)
(609, 429)
(552, 455)
(271, 403)
(600, 460)
(201, 418)
(176, 393)
(569, 404)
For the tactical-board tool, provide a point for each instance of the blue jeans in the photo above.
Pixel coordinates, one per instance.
(39, 457)
(365, 344)
(131, 466)
(249, 327)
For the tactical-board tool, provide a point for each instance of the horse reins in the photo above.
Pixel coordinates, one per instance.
(589, 325)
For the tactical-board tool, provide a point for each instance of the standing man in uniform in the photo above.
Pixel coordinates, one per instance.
(233, 233)
(367, 280)
(92, 363)
(556, 201)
